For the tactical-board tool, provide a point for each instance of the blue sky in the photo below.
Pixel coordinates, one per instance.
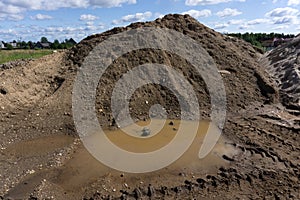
(60, 19)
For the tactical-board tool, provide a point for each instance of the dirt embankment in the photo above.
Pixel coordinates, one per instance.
(283, 63)
(41, 156)
(245, 82)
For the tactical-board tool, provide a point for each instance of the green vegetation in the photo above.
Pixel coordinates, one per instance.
(43, 43)
(257, 39)
(11, 55)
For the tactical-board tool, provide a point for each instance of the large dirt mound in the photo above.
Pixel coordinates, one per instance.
(245, 82)
(42, 158)
(283, 63)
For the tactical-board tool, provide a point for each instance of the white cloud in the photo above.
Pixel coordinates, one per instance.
(207, 2)
(281, 12)
(198, 13)
(286, 20)
(236, 21)
(274, 1)
(281, 27)
(88, 17)
(158, 15)
(12, 17)
(133, 18)
(46, 4)
(10, 8)
(258, 21)
(221, 26)
(284, 16)
(89, 23)
(41, 17)
(244, 27)
(293, 2)
(10, 12)
(228, 12)
(101, 26)
(76, 32)
(110, 3)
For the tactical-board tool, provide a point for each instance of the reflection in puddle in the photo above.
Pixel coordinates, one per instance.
(83, 167)
(159, 136)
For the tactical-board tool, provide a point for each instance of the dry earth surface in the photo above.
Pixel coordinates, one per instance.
(42, 156)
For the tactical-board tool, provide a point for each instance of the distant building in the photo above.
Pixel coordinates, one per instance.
(273, 43)
(2, 45)
(13, 44)
(72, 41)
(268, 44)
(42, 45)
(279, 41)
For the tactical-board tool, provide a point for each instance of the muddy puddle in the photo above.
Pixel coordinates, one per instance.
(83, 167)
(39, 146)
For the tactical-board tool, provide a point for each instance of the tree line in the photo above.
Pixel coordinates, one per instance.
(257, 39)
(44, 43)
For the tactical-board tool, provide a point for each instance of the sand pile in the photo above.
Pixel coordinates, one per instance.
(246, 84)
(283, 63)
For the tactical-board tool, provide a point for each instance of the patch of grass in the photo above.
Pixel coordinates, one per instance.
(12, 55)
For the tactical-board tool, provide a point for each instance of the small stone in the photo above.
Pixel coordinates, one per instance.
(200, 181)
(223, 174)
(177, 189)
(151, 191)
(123, 197)
(137, 193)
(249, 179)
(163, 190)
(227, 158)
(181, 174)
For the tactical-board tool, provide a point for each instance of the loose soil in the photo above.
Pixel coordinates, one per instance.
(283, 64)
(42, 156)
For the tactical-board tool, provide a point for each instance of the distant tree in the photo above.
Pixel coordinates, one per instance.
(44, 40)
(69, 43)
(30, 44)
(55, 44)
(23, 44)
(61, 46)
(9, 46)
(257, 39)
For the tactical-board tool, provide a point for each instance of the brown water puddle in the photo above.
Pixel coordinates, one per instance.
(39, 146)
(84, 168)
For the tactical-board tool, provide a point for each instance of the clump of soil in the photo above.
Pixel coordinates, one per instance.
(283, 63)
(16, 63)
(42, 157)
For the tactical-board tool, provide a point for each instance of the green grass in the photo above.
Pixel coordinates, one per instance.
(11, 55)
